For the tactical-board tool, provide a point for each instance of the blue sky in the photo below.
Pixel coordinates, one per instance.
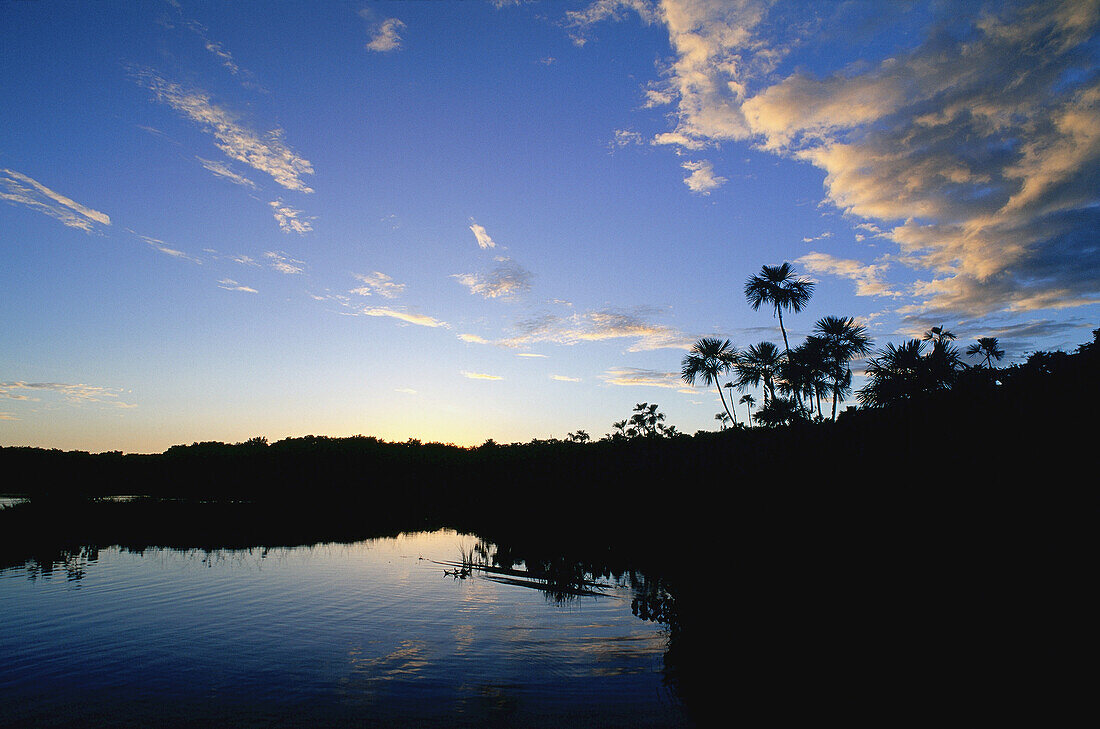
(467, 220)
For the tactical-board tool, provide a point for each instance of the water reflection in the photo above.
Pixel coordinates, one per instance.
(425, 629)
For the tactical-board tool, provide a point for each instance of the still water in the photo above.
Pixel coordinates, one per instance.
(384, 632)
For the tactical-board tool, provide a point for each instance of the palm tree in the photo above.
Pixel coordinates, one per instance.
(779, 286)
(895, 375)
(758, 364)
(987, 347)
(709, 359)
(723, 419)
(748, 401)
(844, 340)
(646, 421)
(733, 411)
(938, 336)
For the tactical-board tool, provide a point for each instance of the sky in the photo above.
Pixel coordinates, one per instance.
(456, 221)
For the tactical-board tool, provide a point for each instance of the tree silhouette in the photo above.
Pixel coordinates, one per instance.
(723, 419)
(748, 401)
(758, 364)
(781, 287)
(709, 359)
(986, 347)
(733, 411)
(646, 421)
(844, 340)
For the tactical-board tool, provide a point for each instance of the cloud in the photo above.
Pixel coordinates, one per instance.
(868, 278)
(8, 416)
(16, 187)
(405, 390)
(596, 326)
(221, 169)
(975, 149)
(483, 239)
(625, 138)
(531, 355)
(564, 378)
(266, 153)
(78, 394)
(579, 22)
(702, 178)
(290, 219)
(166, 249)
(385, 35)
(507, 281)
(378, 283)
(417, 319)
(283, 263)
(473, 339)
(230, 285)
(479, 376)
(634, 377)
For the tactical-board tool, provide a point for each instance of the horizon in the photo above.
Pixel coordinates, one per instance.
(506, 220)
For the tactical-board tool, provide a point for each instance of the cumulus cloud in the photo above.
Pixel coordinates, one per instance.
(266, 153)
(378, 283)
(507, 281)
(975, 149)
(16, 187)
(702, 178)
(868, 277)
(290, 220)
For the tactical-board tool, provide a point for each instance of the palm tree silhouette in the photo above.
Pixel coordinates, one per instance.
(722, 418)
(844, 340)
(760, 363)
(733, 411)
(748, 401)
(779, 286)
(709, 359)
(987, 347)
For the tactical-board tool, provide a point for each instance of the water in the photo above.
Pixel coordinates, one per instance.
(370, 633)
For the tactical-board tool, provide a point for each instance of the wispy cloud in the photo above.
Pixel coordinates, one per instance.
(266, 153)
(16, 187)
(404, 316)
(166, 249)
(473, 339)
(564, 378)
(596, 326)
(507, 281)
(385, 35)
(221, 169)
(483, 239)
(283, 263)
(480, 376)
(635, 377)
(405, 390)
(74, 394)
(290, 220)
(378, 283)
(230, 285)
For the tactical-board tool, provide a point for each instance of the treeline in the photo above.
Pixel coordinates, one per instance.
(991, 421)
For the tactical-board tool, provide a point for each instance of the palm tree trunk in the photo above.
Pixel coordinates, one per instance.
(723, 397)
(836, 385)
